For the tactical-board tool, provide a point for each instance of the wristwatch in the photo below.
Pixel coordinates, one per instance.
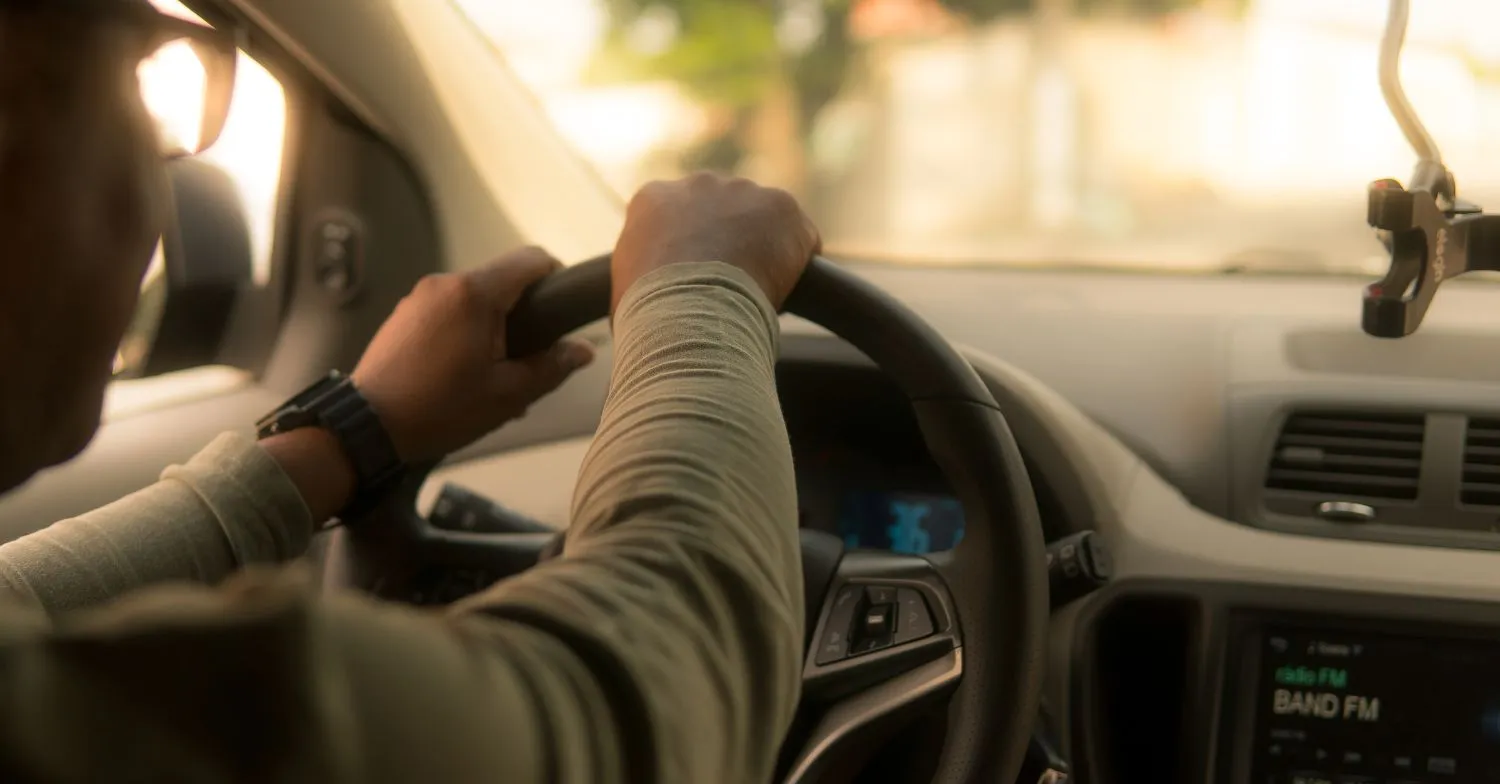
(335, 404)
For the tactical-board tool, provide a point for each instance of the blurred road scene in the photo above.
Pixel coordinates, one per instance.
(1208, 134)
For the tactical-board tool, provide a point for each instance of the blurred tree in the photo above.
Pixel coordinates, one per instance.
(737, 56)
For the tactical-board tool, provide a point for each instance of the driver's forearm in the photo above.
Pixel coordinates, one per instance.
(680, 588)
(231, 505)
(664, 646)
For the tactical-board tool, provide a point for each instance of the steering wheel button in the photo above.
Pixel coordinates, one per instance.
(876, 621)
(846, 600)
(913, 619)
(834, 644)
(881, 594)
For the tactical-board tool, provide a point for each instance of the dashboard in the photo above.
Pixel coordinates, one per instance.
(1148, 409)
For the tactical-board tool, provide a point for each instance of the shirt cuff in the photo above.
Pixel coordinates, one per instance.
(256, 504)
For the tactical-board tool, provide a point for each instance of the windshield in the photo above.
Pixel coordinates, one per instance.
(1176, 134)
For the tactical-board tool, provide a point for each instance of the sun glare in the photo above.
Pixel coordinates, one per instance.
(250, 147)
(172, 85)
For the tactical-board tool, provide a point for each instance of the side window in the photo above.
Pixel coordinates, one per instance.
(248, 154)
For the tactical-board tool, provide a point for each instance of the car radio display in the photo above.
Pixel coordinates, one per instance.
(1336, 707)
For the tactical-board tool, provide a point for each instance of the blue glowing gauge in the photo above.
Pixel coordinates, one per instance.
(1489, 723)
(913, 523)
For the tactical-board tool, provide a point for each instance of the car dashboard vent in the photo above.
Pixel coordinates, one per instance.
(1481, 485)
(1371, 455)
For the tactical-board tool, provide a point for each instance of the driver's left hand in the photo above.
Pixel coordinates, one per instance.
(437, 373)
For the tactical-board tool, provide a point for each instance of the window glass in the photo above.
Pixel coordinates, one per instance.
(250, 147)
(249, 150)
(1177, 134)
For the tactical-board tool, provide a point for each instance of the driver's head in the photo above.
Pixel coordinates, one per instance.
(81, 207)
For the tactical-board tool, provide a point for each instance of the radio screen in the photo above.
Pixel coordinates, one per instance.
(1339, 707)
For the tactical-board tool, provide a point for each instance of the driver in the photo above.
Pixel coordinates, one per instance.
(156, 639)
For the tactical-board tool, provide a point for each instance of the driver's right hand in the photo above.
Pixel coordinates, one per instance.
(707, 217)
(437, 372)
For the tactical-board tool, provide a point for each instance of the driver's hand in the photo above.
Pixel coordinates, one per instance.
(437, 373)
(707, 217)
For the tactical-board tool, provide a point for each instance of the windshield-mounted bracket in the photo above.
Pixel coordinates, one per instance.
(1432, 235)
(1429, 244)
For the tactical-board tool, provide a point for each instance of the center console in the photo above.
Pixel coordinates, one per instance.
(1254, 685)
(1331, 700)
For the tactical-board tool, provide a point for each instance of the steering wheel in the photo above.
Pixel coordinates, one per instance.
(888, 634)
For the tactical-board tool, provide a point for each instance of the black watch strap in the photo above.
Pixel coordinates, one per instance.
(335, 404)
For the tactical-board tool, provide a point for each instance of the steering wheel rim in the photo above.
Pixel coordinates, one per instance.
(988, 595)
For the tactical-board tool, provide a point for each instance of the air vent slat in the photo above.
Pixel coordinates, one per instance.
(1483, 438)
(1337, 454)
(1357, 464)
(1400, 430)
(1481, 472)
(1481, 495)
(1360, 484)
(1369, 446)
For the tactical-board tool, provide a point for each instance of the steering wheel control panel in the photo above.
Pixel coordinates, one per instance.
(869, 617)
(1333, 705)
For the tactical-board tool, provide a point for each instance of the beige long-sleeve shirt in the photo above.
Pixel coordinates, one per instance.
(664, 646)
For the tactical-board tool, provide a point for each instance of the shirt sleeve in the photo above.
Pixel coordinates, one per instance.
(663, 646)
(229, 506)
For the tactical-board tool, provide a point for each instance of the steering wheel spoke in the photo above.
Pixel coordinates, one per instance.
(884, 614)
(885, 645)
